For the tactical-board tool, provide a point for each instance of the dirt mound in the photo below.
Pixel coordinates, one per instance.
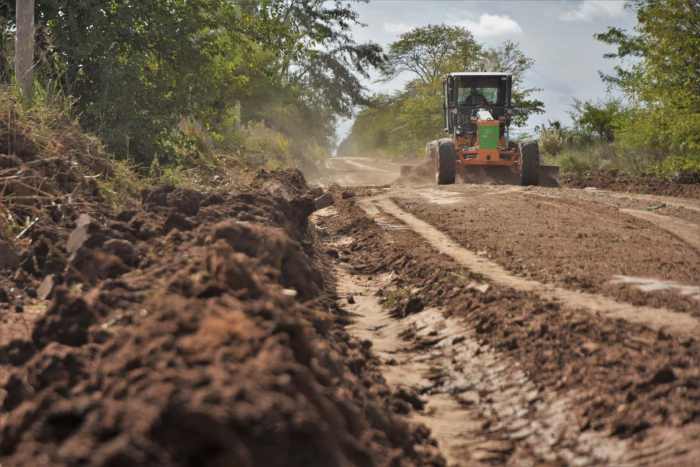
(191, 331)
(49, 170)
(683, 187)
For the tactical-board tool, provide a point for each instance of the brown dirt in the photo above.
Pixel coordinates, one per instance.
(572, 243)
(192, 330)
(424, 174)
(613, 379)
(684, 187)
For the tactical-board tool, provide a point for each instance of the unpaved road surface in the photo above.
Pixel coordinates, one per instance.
(404, 325)
(357, 171)
(535, 326)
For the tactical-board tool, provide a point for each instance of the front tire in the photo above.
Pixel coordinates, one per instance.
(530, 159)
(446, 167)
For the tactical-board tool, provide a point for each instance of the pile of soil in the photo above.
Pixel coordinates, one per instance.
(49, 170)
(683, 187)
(194, 329)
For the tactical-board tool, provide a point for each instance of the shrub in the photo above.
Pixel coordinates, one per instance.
(570, 163)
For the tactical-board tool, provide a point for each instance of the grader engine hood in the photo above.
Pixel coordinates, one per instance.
(487, 130)
(488, 135)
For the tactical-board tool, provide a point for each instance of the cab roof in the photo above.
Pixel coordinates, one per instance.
(465, 73)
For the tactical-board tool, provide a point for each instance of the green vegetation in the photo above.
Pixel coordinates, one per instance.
(658, 131)
(394, 298)
(184, 91)
(160, 82)
(402, 123)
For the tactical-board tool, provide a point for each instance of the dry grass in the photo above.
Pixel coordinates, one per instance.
(47, 162)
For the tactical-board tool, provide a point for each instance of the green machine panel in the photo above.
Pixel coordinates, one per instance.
(488, 137)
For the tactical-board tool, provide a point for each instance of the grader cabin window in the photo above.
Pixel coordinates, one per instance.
(486, 90)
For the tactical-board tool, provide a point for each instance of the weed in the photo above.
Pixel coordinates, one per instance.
(477, 276)
(394, 298)
(455, 274)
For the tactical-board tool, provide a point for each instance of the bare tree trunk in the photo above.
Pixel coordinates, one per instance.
(24, 47)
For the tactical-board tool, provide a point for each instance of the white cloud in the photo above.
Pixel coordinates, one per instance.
(397, 28)
(590, 9)
(491, 25)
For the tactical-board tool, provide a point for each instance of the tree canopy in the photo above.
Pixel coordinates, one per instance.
(137, 69)
(431, 52)
(659, 67)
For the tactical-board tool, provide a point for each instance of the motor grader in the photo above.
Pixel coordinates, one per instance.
(477, 110)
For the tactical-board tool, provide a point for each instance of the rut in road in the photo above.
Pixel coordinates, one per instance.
(655, 318)
(464, 385)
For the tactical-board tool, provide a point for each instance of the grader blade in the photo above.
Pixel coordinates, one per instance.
(549, 172)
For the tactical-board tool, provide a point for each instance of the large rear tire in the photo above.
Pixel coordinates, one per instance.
(530, 156)
(446, 168)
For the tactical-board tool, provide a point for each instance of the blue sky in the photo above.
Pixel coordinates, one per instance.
(558, 34)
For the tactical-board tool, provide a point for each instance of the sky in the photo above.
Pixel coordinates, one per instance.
(558, 34)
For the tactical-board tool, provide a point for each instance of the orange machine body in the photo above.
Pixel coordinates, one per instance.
(470, 153)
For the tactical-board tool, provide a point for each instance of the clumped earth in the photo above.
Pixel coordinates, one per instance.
(685, 186)
(625, 379)
(193, 329)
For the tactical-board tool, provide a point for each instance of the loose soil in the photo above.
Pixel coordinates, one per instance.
(685, 187)
(194, 329)
(506, 377)
(552, 238)
(246, 327)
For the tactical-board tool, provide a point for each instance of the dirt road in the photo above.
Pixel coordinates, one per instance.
(405, 325)
(540, 326)
(357, 171)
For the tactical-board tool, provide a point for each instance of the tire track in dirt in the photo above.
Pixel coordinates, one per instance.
(679, 324)
(689, 233)
(466, 386)
(504, 377)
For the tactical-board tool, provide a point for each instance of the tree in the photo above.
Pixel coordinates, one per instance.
(510, 59)
(138, 68)
(431, 52)
(659, 66)
(600, 119)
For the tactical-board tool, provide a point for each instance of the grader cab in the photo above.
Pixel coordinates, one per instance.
(477, 110)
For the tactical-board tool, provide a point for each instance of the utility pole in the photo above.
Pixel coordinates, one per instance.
(24, 47)
(237, 123)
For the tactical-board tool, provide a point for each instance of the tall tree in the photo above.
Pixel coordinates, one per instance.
(659, 66)
(433, 51)
(510, 59)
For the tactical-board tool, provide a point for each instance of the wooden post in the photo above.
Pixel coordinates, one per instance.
(237, 124)
(24, 47)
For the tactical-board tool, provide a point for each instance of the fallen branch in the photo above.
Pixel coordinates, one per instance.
(32, 198)
(41, 192)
